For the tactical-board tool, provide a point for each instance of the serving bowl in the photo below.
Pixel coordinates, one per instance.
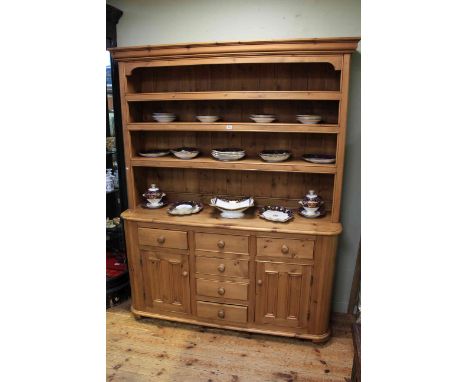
(319, 158)
(163, 117)
(185, 208)
(275, 155)
(228, 154)
(232, 208)
(263, 118)
(154, 153)
(185, 152)
(207, 118)
(309, 118)
(276, 214)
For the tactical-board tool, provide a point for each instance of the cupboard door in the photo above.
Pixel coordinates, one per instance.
(166, 282)
(282, 294)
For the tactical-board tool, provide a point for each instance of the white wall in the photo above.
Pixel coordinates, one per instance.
(182, 21)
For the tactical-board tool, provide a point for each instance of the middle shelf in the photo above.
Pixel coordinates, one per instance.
(203, 162)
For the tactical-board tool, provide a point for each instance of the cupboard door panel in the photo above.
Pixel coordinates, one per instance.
(166, 281)
(282, 293)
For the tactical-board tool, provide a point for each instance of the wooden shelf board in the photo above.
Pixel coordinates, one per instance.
(233, 95)
(235, 126)
(209, 217)
(203, 162)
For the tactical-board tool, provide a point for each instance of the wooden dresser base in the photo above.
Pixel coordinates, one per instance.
(312, 337)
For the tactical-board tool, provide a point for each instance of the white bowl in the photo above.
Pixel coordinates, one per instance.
(232, 208)
(207, 118)
(164, 118)
(309, 119)
(262, 118)
(185, 153)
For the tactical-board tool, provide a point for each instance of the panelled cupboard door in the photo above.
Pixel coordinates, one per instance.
(166, 281)
(282, 293)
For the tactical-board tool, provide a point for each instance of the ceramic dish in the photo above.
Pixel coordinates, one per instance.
(232, 208)
(309, 118)
(312, 215)
(153, 196)
(228, 154)
(207, 118)
(163, 117)
(185, 208)
(276, 214)
(185, 152)
(150, 206)
(275, 155)
(154, 153)
(263, 118)
(319, 158)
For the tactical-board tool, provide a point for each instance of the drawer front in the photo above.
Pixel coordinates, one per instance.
(222, 267)
(162, 238)
(222, 312)
(285, 248)
(222, 243)
(223, 289)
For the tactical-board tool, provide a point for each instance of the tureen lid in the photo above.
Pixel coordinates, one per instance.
(311, 194)
(153, 188)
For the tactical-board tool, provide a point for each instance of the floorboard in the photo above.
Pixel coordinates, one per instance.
(157, 350)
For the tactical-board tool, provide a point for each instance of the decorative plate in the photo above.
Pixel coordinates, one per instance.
(185, 152)
(207, 118)
(263, 118)
(319, 158)
(276, 214)
(185, 208)
(154, 153)
(149, 206)
(321, 212)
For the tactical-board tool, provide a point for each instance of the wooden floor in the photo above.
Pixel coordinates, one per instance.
(156, 350)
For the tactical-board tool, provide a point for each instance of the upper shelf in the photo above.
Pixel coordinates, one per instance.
(235, 127)
(203, 162)
(235, 95)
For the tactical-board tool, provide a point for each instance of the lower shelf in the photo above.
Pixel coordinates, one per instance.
(315, 338)
(209, 217)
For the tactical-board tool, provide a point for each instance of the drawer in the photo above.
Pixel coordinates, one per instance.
(285, 248)
(222, 267)
(162, 238)
(222, 312)
(222, 243)
(224, 289)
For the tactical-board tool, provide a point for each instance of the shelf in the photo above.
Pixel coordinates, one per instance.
(233, 95)
(234, 127)
(203, 162)
(210, 217)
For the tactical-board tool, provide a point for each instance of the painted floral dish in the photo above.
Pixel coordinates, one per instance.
(319, 158)
(232, 208)
(185, 208)
(312, 215)
(228, 154)
(276, 214)
(154, 153)
(275, 155)
(185, 152)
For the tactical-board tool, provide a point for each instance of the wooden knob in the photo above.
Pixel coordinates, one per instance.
(221, 244)
(221, 267)
(161, 239)
(221, 291)
(185, 273)
(259, 282)
(284, 249)
(221, 313)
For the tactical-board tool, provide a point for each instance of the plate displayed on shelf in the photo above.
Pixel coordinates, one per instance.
(319, 158)
(150, 206)
(185, 208)
(154, 153)
(232, 208)
(275, 155)
(317, 214)
(185, 152)
(228, 154)
(309, 118)
(263, 118)
(276, 214)
(207, 118)
(163, 117)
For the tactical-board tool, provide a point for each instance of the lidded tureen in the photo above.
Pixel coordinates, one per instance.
(311, 203)
(154, 196)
